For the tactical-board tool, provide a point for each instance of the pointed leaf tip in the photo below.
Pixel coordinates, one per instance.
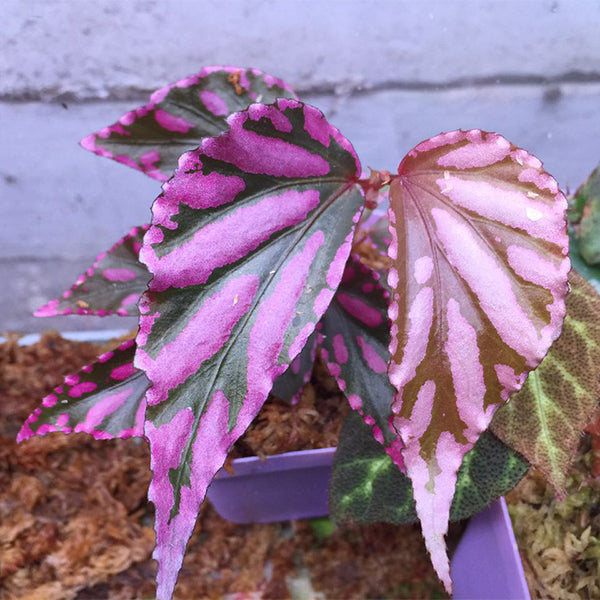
(251, 237)
(479, 277)
(151, 138)
(105, 399)
(112, 285)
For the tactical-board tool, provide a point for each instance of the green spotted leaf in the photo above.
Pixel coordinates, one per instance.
(544, 420)
(367, 487)
(247, 247)
(151, 138)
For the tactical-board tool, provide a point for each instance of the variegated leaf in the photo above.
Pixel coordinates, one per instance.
(367, 487)
(354, 336)
(544, 420)
(151, 138)
(112, 285)
(105, 399)
(288, 387)
(587, 207)
(479, 276)
(247, 246)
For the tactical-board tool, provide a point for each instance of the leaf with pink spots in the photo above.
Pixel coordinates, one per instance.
(151, 138)
(354, 336)
(105, 399)
(288, 387)
(112, 285)
(479, 276)
(247, 246)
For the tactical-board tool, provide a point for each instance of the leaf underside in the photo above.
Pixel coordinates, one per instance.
(544, 420)
(367, 487)
(151, 138)
(479, 277)
(105, 399)
(112, 285)
(247, 246)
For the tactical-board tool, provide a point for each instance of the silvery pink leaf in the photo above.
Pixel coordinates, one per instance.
(479, 277)
(105, 399)
(151, 138)
(368, 482)
(247, 246)
(112, 285)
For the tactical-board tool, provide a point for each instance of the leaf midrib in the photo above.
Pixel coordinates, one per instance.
(230, 343)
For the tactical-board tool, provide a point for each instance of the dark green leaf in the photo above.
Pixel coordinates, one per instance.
(367, 487)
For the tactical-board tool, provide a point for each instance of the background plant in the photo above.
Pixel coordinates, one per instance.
(247, 268)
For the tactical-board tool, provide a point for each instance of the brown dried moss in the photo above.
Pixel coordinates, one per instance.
(75, 523)
(560, 540)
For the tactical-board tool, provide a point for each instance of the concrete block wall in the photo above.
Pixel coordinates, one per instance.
(387, 73)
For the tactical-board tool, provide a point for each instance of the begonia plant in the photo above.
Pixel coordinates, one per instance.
(252, 266)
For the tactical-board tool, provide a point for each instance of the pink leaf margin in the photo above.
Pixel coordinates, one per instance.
(106, 406)
(93, 142)
(53, 309)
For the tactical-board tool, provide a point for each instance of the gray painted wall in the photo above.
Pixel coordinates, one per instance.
(387, 73)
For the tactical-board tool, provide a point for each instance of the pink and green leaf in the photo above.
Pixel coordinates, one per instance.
(112, 285)
(368, 487)
(151, 138)
(288, 387)
(479, 277)
(354, 336)
(247, 246)
(544, 420)
(105, 399)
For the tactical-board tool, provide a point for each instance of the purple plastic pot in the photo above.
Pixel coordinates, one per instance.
(485, 566)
